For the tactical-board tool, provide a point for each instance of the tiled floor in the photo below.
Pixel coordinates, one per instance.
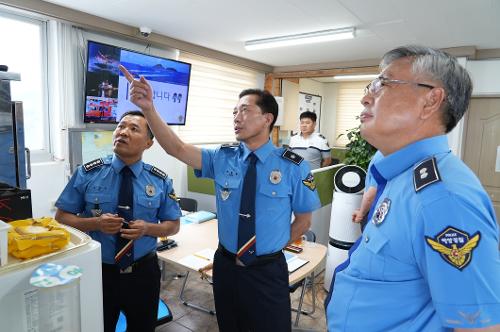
(186, 319)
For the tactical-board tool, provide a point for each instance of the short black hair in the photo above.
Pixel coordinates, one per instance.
(265, 101)
(139, 113)
(308, 115)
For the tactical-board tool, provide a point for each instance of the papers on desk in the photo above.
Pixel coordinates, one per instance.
(197, 217)
(293, 261)
(199, 259)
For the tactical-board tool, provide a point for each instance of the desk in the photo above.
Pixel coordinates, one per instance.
(195, 237)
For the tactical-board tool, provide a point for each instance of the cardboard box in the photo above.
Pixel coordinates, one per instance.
(15, 203)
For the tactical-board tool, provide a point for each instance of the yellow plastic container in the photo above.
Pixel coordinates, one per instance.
(30, 238)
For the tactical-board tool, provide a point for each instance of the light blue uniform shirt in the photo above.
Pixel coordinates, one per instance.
(274, 202)
(396, 280)
(154, 200)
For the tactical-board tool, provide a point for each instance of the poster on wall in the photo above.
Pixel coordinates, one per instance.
(312, 103)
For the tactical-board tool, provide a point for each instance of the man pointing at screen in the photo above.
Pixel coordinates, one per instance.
(258, 186)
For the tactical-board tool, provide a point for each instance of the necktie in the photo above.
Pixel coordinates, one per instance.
(124, 253)
(381, 182)
(246, 225)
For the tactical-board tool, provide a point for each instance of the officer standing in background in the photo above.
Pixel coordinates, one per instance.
(125, 204)
(428, 258)
(258, 186)
(312, 146)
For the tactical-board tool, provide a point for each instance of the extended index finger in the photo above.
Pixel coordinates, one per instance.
(125, 72)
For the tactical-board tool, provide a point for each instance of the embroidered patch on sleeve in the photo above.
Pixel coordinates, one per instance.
(173, 196)
(309, 182)
(455, 246)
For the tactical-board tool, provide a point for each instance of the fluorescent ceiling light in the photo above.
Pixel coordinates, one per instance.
(301, 38)
(354, 77)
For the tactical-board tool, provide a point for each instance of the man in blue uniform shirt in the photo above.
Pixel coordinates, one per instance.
(95, 201)
(257, 186)
(428, 258)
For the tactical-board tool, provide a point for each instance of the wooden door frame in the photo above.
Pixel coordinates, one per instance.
(466, 120)
(273, 81)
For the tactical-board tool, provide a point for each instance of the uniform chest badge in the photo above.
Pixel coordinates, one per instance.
(275, 176)
(455, 246)
(96, 211)
(381, 212)
(224, 193)
(150, 190)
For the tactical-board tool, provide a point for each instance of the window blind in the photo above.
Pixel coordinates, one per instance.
(349, 107)
(213, 93)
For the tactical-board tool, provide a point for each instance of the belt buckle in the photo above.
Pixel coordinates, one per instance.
(126, 270)
(239, 262)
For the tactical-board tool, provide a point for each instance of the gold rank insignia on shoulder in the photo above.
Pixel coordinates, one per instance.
(275, 176)
(173, 196)
(425, 173)
(291, 156)
(309, 182)
(455, 246)
(150, 190)
(93, 164)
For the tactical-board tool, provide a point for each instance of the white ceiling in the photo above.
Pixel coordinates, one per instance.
(225, 25)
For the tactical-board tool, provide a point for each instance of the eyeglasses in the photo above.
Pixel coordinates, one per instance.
(377, 84)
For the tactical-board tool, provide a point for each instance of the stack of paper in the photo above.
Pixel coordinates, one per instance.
(198, 217)
(199, 259)
(294, 262)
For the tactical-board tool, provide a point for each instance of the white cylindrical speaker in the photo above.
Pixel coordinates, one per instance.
(341, 226)
(336, 256)
(349, 184)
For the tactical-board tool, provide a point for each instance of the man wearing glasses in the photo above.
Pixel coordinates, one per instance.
(428, 258)
(258, 186)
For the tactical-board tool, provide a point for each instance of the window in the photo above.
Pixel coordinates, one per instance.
(348, 108)
(24, 52)
(213, 93)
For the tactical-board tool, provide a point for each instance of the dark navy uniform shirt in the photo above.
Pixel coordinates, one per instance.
(428, 259)
(283, 186)
(97, 189)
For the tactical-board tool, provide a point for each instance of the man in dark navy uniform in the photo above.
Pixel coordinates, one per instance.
(125, 204)
(258, 186)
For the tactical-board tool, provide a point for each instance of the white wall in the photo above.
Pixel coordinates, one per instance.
(329, 115)
(46, 184)
(485, 76)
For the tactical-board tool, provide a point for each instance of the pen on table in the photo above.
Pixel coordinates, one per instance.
(199, 256)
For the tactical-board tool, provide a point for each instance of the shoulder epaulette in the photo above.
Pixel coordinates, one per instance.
(158, 172)
(425, 173)
(323, 137)
(291, 156)
(230, 145)
(93, 164)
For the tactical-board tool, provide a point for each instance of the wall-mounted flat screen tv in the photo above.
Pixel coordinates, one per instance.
(107, 90)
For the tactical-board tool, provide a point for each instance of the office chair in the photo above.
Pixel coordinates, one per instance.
(164, 316)
(310, 237)
(188, 204)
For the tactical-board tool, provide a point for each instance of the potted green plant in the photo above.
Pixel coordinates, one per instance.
(359, 152)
